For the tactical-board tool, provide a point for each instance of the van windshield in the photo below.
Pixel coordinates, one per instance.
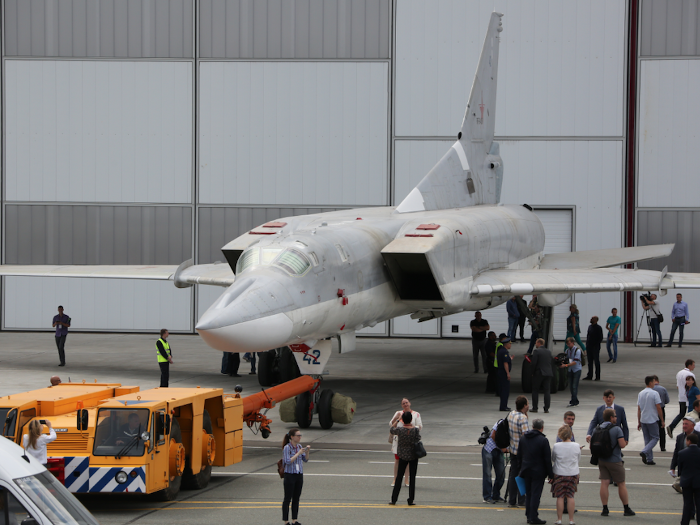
(54, 500)
(119, 431)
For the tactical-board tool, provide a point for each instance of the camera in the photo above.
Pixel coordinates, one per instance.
(484, 436)
(645, 297)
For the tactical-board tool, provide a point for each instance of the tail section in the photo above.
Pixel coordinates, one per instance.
(471, 172)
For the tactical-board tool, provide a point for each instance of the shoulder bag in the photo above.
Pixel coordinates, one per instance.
(419, 449)
(280, 468)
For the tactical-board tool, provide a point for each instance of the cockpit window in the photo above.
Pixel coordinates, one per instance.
(249, 258)
(293, 261)
(268, 255)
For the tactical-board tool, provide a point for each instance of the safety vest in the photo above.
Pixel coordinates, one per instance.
(495, 355)
(166, 347)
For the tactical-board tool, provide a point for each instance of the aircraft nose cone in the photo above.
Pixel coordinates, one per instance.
(257, 335)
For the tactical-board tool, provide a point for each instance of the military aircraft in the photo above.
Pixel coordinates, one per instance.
(448, 247)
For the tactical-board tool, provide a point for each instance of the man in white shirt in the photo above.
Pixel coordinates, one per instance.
(417, 422)
(648, 415)
(682, 397)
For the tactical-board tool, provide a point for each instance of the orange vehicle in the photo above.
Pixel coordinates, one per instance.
(119, 439)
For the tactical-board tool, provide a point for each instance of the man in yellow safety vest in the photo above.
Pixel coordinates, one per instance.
(165, 357)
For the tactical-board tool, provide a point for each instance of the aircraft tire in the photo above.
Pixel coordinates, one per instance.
(288, 365)
(324, 409)
(171, 492)
(201, 479)
(526, 376)
(304, 418)
(266, 364)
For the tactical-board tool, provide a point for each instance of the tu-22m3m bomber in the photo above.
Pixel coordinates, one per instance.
(449, 247)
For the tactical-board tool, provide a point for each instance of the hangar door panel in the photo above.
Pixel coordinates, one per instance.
(558, 225)
(97, 304)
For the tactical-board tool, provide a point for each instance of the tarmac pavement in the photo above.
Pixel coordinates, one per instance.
(350, 473)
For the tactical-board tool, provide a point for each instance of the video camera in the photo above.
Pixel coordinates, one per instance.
(484, 436)
(645, 297)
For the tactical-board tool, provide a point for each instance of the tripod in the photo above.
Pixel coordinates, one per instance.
(645, 315)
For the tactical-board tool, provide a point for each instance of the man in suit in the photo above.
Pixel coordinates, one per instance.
(541, 375)
(688, 428)
(535, 467)
(689, 471)
(609, 398)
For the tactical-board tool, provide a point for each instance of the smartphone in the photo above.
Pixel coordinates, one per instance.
(42, 421)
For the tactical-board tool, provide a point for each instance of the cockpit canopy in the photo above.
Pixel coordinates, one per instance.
(290, 260)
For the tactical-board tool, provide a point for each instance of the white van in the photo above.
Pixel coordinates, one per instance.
(31, 495)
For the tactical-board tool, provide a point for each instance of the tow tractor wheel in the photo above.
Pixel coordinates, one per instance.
(176, 465)
(266, 368)
(303, 412)
(324, 409)
(201, 479)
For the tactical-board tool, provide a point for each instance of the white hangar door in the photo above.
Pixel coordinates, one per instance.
(558, 227)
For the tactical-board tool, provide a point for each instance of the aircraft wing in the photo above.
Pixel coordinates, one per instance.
(185, 275)
(605, 258)
(520, 282)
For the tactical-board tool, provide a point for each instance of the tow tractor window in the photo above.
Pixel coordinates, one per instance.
(121, 432)
(293, 262)
(8, 419)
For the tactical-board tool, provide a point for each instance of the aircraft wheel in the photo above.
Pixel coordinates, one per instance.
(202, 478)
(266, 364)
(324, 409)
(288, 365)
(174, 482)
(304, 417)
(526, 376)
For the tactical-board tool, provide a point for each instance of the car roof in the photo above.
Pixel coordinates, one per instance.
(13, 464)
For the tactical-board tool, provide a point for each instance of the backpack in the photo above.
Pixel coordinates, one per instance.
(601, 444)
(502, 437)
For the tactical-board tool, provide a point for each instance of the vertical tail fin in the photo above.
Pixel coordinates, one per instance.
(471, 172)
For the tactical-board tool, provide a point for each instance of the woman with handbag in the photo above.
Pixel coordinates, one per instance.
(293, 458)
(408, 436)
(393, 440)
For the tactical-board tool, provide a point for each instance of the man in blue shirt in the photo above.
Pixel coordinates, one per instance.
(680, 318)
(513, 317)
(61, 323)
(613, 326)
(573, 372)
(648, 416)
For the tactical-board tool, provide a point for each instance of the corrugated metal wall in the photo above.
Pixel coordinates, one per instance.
(667, 138)
(99, 28)
(301, 29)
(294, 133)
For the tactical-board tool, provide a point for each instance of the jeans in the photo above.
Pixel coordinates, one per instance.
(412, 470)
(539, 381)
(683, 412)
(495, 459)
(512, 327)
(533, 494)
(691, 501)
(655, 330)
(61, 343)
(681, 326)
(612, 340)
(293, 484)
(513, 491)
(651, 438)
(479, 353)
(574, 378)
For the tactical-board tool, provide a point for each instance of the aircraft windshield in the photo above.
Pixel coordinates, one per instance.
(293, 261)
(290, 260)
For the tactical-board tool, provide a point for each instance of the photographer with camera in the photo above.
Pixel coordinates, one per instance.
(655, 317)
(492, 456)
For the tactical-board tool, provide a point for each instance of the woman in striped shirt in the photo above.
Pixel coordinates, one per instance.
(293, 457)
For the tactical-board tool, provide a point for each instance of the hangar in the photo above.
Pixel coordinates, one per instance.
(150, 132)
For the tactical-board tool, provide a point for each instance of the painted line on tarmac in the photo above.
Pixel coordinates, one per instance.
(391, 463)
(480, 465)
(319, 461)
(454, 478)
(317, 450)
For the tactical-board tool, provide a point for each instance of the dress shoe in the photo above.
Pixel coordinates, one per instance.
(680, 346)
(605, 512)
(392, 503)
(410, 503)
(533, 411)
(609, 359)
(597, 379)
(644, 457)
(629, 512)
(537, 521)
(587, 379)
(252, 373)
(235, 375)
(668, 346)
(546, 411)
(62, 364)
(651, 462)
(669, 432)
